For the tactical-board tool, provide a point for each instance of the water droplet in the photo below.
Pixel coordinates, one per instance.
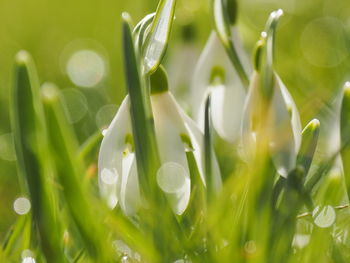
(171, 177)
(109, 177)
(323, 42)
(324, 216)
(21, 205)
(105, 115)
(7, 148)
(75, 104)
(86, 68)
(250, 247)
(27, 253)
(301, 240)
(28, 260)
(104, 132)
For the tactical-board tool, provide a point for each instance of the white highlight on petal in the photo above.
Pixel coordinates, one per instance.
(21, 205)
(171, 177)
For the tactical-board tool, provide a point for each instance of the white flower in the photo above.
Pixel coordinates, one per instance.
(228, 92)
(282, 123)
(176, 133)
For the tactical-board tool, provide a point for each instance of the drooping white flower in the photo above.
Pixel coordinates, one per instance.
(176, 133)
(281, 122)
(228, 94)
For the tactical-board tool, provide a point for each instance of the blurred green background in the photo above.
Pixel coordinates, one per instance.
(77, 45)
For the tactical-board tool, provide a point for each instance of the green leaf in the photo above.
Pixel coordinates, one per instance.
(146, 149)
(158, 37)
(308, 146)
(345, 134)
(69, 170)
(208, 148)
(222, 20)
(32, 152)
(266, 54)
(140, 30)
(18, 237)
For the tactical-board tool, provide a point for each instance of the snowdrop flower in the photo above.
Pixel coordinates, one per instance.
(215, 73)
(176, 133)
(282, 122)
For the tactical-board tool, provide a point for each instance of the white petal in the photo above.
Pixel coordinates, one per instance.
(197, 140)
(283, 122)
(227, 105)
(282, 142)
(227, 111)
(111, 153)
(169, 126)
(296, 123)
(129, 196)
(213, 55)
(251, 107)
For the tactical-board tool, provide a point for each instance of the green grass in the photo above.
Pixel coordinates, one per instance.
(276, 193)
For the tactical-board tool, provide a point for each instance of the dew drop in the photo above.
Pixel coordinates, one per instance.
(324, 216)
(21, 205)
(28, 260)
(250, 247)
(109, 177)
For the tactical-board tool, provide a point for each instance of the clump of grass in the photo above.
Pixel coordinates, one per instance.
(164, 193)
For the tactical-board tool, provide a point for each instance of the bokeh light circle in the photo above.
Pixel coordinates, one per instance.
(86, 68)
(323, 42)
(75, 104)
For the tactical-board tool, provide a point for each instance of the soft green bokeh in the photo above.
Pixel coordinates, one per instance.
(313, 47)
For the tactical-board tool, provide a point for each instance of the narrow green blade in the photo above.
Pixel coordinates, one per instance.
(309, 143)
(345, 134)
(69, 170)
(223, 17)
(34, 166)
(141, 115)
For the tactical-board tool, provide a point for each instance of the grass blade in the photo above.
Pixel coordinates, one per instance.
(141, 115)
(32, 153)
(309, 143)
(69, 171)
